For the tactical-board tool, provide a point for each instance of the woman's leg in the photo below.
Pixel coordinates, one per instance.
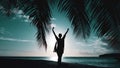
(59, 57)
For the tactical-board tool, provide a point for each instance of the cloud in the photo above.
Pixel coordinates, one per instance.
(25, 16)
(17, 11)
(4, 31)
(27, 20)
(15, 40)
(53, 25)
(20, 14)
(53, 19)
(94, 45)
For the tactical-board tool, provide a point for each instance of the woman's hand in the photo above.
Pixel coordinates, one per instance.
(67, 29)
(53, 28)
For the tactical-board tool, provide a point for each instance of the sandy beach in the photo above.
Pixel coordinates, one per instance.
(20, 63)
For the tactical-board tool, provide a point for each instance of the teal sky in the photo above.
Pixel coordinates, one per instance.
(17, 38)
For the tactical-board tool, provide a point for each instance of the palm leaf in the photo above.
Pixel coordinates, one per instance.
(102, 16)
(8, 5)
(99, 16)
(75, 11)
(40, 12)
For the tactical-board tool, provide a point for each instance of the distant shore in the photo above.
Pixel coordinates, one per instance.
(111, 55)
(114, 55)
(20, 63)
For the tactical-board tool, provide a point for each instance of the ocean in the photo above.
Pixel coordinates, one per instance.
(95, 61)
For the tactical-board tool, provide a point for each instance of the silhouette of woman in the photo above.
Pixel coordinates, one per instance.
(60, 44)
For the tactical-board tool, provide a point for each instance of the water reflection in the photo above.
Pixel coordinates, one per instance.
(53, 58)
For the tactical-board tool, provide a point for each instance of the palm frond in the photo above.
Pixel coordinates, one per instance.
(104, 18)
(40, 12)
(75, 11)
(99, 16)
(113, 8)
(8, 5)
